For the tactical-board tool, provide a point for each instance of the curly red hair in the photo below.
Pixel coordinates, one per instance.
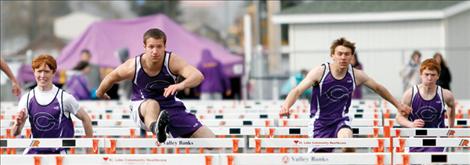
(430, 64)
(44, 59)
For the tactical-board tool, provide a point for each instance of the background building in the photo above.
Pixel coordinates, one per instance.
(385, 32)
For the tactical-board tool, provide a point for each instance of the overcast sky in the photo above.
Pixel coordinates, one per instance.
(218, 14)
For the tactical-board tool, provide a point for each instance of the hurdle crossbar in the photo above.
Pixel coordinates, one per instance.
(318, 142)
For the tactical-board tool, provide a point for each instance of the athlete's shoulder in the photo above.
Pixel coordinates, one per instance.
(315, 75)
(68, 98)
(447, 94)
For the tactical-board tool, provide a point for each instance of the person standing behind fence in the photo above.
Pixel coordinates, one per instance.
(125, 86)
(428, 101)
(15, 87)
(77, 83)
(357, 94)
(93, 77)
(444, 77)
(410, 72)
(292, 82)
(216, 82)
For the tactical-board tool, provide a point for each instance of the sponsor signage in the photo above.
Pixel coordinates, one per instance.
(303, 159)
(319, 143)
(176, 143)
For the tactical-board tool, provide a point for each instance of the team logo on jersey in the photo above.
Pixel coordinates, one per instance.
(428, 113)
(337, 92)
(156, 87)
(56, 107)
(349, 81)
(44, 121)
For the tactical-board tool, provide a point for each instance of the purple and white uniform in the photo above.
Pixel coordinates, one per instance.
(330, 103)
(182, 123)
(431, 111)
(49, 115)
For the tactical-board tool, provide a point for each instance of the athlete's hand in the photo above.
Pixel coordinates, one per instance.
(404, 110)
(20, 117)
(15, 89)
(285, 111)
(102, 95)
(418, 123)
(172, 89)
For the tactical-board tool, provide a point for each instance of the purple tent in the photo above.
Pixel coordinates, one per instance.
(104, 38)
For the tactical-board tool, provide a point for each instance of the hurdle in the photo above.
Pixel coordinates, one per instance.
(308, 122)
(378, 144)
(463, 123)
(277, 131)
(234, 143)
(431, 158)
(243, 159)
(401, 143)
(199, 159)
(234, 131)
(94, 143)
(112, 144)
(440, 132)
(298, 159)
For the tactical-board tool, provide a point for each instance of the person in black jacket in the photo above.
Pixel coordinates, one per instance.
(445, 77)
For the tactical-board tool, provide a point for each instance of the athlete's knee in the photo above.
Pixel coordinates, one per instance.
(149, 105)
(345, 133)
(203, 132)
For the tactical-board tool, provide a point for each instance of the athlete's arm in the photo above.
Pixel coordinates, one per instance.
(21, 116)
(403, 119)
(362, 78)
(312, 77)
(122, 72)
(71, 105)
(86, 121)
(178, 66)
(19, 122)
(449, 100)
(15, 87)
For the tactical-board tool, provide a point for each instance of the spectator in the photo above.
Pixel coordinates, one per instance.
(77, 84)
(96, 74)
(410, 73)
(357, 94)
(292, 82)
(444, 77)
(93, 78)
(126, 85)
(215, 82)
